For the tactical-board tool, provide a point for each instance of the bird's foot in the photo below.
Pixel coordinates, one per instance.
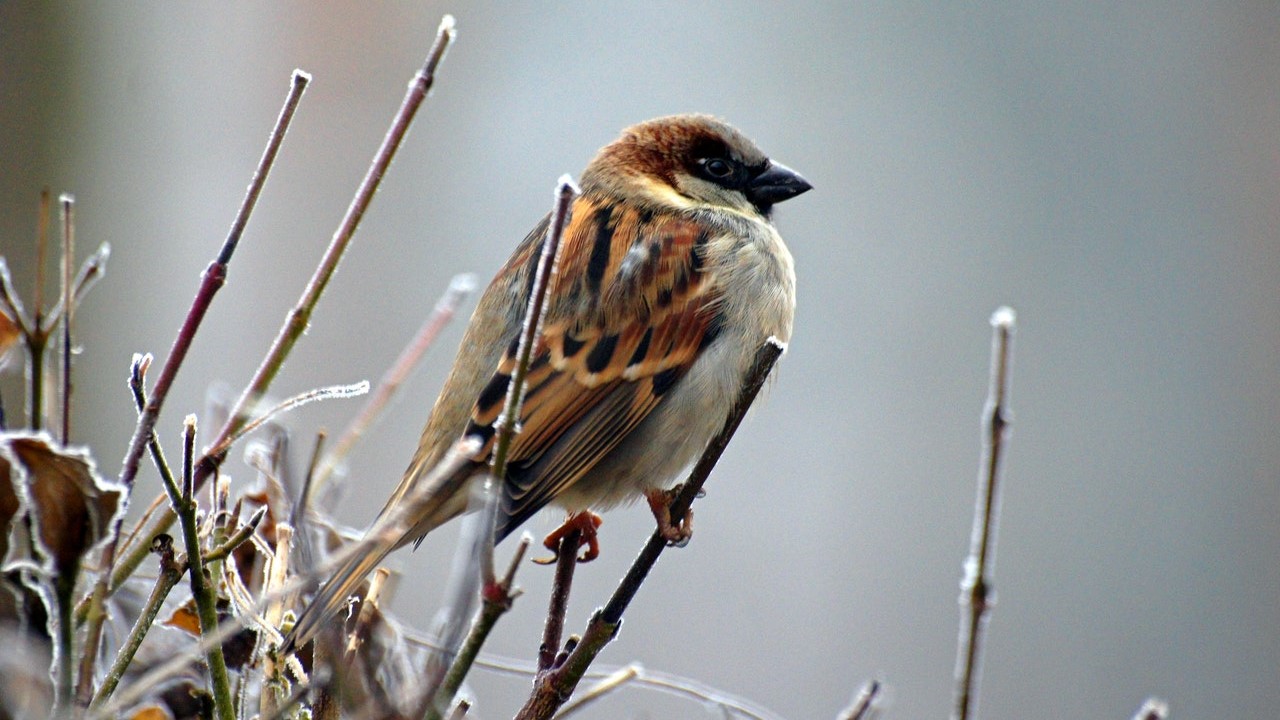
(585, 523)
(676, 531)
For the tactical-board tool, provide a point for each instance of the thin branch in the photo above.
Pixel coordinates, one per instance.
(566, 190)
(201, 586)
(676, 685)
(331, 392)
(299, 317)
(274, 688)
(11, 301)
(558, 605)
(427, 496)
(614, 681)
(237, 538)
(171, 571)
(863, 702)
(92, 608)
(42, 247)
(497, 598)
(553, 688)
(976, 592)
(67, 203)
(1152, 709)
(91, 271)
(496, 601)
(364, 619)
(459, 288)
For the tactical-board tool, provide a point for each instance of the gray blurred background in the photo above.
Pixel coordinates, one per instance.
(1111, 172)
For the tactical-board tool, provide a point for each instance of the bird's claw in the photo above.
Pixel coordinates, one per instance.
(586, 524)
(676, 533)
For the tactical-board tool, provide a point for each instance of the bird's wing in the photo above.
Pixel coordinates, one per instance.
(630, 308)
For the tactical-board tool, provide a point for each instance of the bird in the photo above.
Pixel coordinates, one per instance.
(670, 276)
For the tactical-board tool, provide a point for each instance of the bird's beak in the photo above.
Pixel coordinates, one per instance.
(777, 183)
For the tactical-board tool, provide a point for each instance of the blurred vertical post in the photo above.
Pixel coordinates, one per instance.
(976, 592)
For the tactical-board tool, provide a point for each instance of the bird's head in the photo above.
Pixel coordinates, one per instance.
(691, 161)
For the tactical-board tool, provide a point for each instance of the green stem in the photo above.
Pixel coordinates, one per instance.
(64, 588)
(201, 585)
(171, 572)
(36, 343)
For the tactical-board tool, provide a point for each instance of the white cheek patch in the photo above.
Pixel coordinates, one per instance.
(665, 194)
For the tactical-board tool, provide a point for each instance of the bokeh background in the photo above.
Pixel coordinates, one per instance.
(1110, 170)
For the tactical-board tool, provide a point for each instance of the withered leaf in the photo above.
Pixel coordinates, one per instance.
(185, 618)
(9, 334)
(8, 506)
(70, 505)
(151, 712)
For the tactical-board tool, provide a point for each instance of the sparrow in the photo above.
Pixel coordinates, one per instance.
(670, 276)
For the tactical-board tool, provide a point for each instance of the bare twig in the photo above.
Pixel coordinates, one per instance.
(12, 303)
(42, 247)
(237, 538)
(976, 593)
(67, 203)
(566, 190)
(497, 598)
(91, 271)
(201, 586)
(299, 317)
(675, 685)
(426, 497)
(171, 571)
(863, 702)
(365, 617)
(38, 336)
(459, 288)
(274, 689)
(496, 601)
(558, 605)
(310, 396)
(1152, 709)
(553, 688)
(614, 681)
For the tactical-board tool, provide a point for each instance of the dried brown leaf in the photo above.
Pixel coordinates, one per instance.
(70, 505)
(9, 335)
(151, 712)
(8, 507)
(184, 618)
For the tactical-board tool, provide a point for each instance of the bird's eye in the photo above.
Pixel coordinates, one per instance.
(717, 168)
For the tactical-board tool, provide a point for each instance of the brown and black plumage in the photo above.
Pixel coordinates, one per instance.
(670, 276)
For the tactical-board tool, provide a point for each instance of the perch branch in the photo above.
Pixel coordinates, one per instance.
(497, 597)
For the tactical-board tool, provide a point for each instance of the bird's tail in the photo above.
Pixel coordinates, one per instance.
(433, 500)
(334, 595)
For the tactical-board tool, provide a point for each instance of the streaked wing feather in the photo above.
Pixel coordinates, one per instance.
(631, 309)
